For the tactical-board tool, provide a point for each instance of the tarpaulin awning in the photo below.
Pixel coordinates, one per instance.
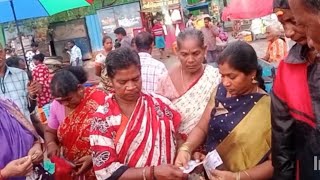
(247, 9)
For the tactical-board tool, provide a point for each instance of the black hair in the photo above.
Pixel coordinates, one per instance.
(121, 58)
(63, 82)
(13, 61)
(120, 30)
(71, 41)
(34, 44)
(133, 41)
(242, 57)
(190, 33)
(282, 4)
(313, 5)
(208, 19)
(105, 38)
(39, 57)
(190, 15)
(79, 73)
(144, 41)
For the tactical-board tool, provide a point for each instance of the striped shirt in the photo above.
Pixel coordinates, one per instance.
(157, 30)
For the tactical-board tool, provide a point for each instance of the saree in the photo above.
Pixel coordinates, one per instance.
(192, 103)
(240, 129)
(17, 134)
(146, 138)
(277, 50)
(73, 133)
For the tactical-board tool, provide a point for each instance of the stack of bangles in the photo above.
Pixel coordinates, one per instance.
(151, 174)
(185, 147)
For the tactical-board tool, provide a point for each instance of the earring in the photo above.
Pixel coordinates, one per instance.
(254, 81)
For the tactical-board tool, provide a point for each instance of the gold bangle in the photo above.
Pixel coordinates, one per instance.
(144, 173)
(247, 174)
(185, 147)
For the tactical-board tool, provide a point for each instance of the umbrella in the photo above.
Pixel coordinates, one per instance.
(247, 9)
(15, 10)
(25, 9)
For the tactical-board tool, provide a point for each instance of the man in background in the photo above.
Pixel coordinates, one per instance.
(151, 69)
(75, 54)
(122, 38)
(210, 32)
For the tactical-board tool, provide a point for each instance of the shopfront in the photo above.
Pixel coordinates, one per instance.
(126, 16)
(169, 11)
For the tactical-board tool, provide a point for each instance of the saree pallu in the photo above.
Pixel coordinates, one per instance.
(192, 104)
(240, 130)
(73, 133)
(17, 134)
(144, 139)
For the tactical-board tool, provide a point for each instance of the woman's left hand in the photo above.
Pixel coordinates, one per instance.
(84, 164)
(223, 175)
(36, 153)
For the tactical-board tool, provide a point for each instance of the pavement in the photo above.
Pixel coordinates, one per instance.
(259, 45)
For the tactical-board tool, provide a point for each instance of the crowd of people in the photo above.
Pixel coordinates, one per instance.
(146, 122)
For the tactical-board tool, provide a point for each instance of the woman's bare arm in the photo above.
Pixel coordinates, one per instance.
(261, 171)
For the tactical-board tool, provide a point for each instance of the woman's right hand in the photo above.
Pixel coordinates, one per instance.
(18, 167)
(53, 149)
(183, 157)
(169, 172)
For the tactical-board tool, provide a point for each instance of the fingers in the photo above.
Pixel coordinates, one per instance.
(198, 156)
(216, 173)
(21, 160)
(79, 161)
(80, 170)
(25, 164)
(182, 159)
(178, 173)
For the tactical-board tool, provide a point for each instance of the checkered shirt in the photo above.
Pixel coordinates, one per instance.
(151, 70)
(13, 86)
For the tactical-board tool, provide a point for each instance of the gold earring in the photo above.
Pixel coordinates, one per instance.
(254, 81)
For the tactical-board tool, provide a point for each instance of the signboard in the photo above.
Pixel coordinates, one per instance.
(150, 4)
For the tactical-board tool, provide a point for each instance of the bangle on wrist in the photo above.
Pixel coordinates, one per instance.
(144, 173)
(185, 147)
(30, 97)
(152, 177)
(246, 173)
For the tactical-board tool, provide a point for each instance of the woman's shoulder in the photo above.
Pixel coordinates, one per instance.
(95, 93)
(161, 99)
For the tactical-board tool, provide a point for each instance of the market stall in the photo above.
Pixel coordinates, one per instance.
(170, 13)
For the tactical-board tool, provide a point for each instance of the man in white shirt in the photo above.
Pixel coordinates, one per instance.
(75, 54)
(151, 69)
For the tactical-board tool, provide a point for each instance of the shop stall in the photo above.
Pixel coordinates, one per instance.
(169, 11)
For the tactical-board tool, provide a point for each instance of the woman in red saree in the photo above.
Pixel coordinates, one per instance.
(72, 134)
(133, 133)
